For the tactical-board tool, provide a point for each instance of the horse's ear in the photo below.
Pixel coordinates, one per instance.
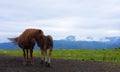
(41, 32)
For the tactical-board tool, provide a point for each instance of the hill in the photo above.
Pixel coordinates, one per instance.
(114, 42)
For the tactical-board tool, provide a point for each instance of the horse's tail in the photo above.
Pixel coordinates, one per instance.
(14, 40)
(50, 41)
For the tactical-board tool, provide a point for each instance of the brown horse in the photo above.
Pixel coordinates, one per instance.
(46, 43)
(26, 41)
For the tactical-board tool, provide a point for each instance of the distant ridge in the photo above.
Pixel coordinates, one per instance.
(67, 44)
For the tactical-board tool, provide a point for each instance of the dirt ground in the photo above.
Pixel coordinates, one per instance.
(14, 64)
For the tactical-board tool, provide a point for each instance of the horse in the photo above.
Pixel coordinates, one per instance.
(46, 43)
(27, 41)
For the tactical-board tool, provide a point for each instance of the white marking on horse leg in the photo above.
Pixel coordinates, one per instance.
(46, 58)
(49, 60)
(42, 55)
(45, 55)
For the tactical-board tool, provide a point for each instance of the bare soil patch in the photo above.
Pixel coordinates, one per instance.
(14, 64)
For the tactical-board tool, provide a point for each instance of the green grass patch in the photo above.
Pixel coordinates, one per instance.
(87, 55)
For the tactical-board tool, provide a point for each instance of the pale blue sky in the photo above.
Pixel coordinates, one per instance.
(60, 18)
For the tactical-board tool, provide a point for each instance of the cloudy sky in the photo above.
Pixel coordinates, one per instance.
(60, 18)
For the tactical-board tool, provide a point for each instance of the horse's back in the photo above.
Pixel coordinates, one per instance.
(27, 38)
(31, 33)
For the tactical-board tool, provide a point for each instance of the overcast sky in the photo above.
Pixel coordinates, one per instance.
(60, 18)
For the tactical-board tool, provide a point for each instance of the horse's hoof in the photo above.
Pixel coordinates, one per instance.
(48, 65)
(41, 62)
(24, 63)
(32, 63)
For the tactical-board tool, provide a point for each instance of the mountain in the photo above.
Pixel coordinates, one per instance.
(114, 41)
(70, 38)
(70, 43)
(8, 45)
(78, 45)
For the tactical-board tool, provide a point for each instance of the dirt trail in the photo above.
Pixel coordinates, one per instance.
(14, 64)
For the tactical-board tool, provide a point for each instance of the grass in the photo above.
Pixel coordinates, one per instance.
(87, 55)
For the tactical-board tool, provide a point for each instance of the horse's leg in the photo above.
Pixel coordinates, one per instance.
(31, 56)
(45, 55)
(49, 58)
(27, 53)
(24, 54)
(42, 56)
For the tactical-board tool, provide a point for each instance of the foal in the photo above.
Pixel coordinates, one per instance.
(47, 43)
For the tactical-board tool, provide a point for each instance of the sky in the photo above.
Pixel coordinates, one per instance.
(60, 18)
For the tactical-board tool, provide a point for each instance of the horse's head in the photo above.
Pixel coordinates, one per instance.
(39, 37)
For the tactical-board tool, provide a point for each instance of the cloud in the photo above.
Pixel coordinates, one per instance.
(61, 18)
(5, 35)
